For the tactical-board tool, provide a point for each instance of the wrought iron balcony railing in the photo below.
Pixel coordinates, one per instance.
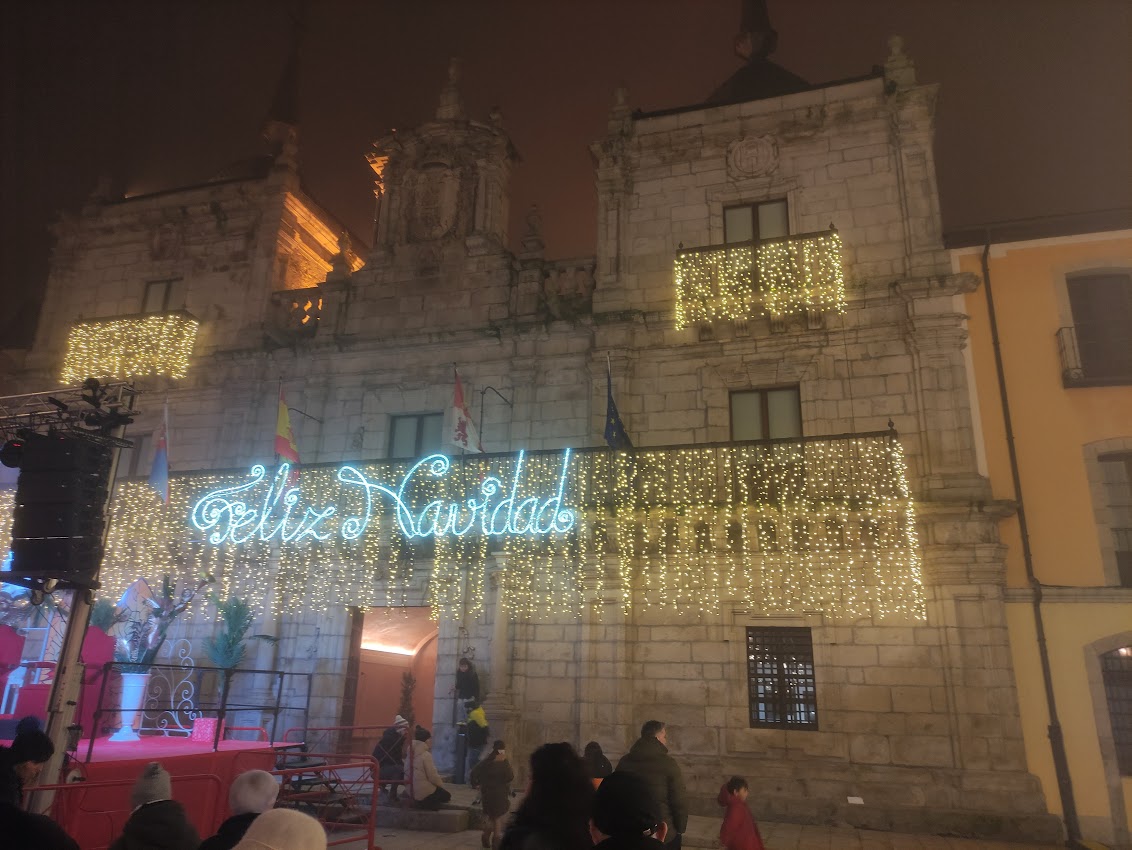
(779, 276)
(817, 524)
(1095, 355)
(121, 348)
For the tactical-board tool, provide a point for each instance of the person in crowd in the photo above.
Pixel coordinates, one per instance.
(739, 830)
(467, 682)
(596, 763)
(21, 764)
(284, 829)
(555, 813)
(20, 830)
(626, 815)
(648, 758)
(476, 735)
(493, 777)
(390, 755)
(252, 793)
(428, 788)
(158, 822)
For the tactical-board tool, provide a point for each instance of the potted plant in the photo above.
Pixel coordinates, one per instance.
(227, 648)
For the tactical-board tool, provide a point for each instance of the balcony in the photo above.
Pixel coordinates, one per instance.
(295, 314)
(122, 348)
(1095, 355)
(796, 274)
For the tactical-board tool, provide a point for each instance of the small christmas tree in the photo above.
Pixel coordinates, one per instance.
(408, 684)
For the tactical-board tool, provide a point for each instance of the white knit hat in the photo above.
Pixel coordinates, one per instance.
(283, 829)
(153, 785)
(253, 791)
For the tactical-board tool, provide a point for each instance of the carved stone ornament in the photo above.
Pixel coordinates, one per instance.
(753, 156)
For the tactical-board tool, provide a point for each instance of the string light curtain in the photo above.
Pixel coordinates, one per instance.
(800, 273)
(796, 526)
(131, 347)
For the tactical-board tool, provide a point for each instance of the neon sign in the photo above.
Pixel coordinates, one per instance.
(494, 510)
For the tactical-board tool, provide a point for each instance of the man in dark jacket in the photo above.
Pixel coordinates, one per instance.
(626, 816)
(253, 792)
(648, 758)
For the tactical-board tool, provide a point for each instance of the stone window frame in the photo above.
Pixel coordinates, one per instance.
(1102, 513)
(1120, 835)
(738, 618)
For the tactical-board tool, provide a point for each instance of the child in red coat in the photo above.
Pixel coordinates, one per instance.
(739, 831)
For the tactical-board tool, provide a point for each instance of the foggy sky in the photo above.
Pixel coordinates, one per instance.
(1034, 119)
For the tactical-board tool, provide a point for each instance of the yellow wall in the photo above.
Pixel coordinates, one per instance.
(1052, 425)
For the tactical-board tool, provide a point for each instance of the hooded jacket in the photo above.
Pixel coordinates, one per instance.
(738, 831)
(425, 777)
(160, 825)
(649, 759)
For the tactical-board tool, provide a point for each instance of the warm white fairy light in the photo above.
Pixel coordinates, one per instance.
(802, 273)
(132, 347)
(821, 525)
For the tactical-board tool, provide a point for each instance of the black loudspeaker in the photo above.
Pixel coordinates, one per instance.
(59, 515)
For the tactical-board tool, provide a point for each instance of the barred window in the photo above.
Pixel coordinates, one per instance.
(1116, 670)
(780, 678)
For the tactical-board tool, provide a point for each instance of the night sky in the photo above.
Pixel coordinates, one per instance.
(1035, 110)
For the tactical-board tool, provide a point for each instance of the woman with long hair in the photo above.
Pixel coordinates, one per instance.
(555, 814)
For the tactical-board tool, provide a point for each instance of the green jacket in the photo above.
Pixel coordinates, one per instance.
(649, 759)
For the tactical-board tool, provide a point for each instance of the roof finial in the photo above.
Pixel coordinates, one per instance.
(451, 107)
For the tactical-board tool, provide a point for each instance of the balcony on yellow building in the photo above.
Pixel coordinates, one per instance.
(776, 277)
(122, 348)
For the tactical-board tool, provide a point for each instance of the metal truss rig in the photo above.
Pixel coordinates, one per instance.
(91, 411)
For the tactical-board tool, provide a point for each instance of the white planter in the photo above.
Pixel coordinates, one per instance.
(133, 695)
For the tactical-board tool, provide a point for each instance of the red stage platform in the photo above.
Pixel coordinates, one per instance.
(94, 810)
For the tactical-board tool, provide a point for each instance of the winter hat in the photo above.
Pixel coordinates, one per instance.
(400, 722)
(252, 792)
(624, 806)
(284, 829)
(422, 734)
(152, 785)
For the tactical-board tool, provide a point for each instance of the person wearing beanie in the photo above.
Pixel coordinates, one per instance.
(428, 788)
(626, 815)
(493, 777)
(739, 830)
(21, 764)
(284, 829)
(555, 813)
(252, 793)
(158, 822)
(390, 756)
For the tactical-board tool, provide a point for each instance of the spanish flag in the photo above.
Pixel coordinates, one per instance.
(285, 447)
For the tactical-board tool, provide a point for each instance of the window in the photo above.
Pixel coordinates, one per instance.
(1116, 470)
(161, 296)
(136, 461)
(1116, 671)
(780, 678)
(755, 222)
(769, 414)
(415, 436)
(1102, 317)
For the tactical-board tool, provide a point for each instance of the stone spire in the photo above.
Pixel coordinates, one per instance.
(451, 106)
(281, 129)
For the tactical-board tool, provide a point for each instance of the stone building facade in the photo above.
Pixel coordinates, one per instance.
(903, 715)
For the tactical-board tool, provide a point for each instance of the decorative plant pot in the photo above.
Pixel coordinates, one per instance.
(133, 696)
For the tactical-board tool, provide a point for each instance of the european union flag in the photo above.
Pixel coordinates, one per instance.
(615, 434)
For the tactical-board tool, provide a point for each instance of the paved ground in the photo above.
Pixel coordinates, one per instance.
(702, 833)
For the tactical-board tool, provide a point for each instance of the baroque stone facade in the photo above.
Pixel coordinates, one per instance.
(917, 714)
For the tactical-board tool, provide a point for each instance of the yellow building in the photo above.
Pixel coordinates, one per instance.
(1051, 356)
